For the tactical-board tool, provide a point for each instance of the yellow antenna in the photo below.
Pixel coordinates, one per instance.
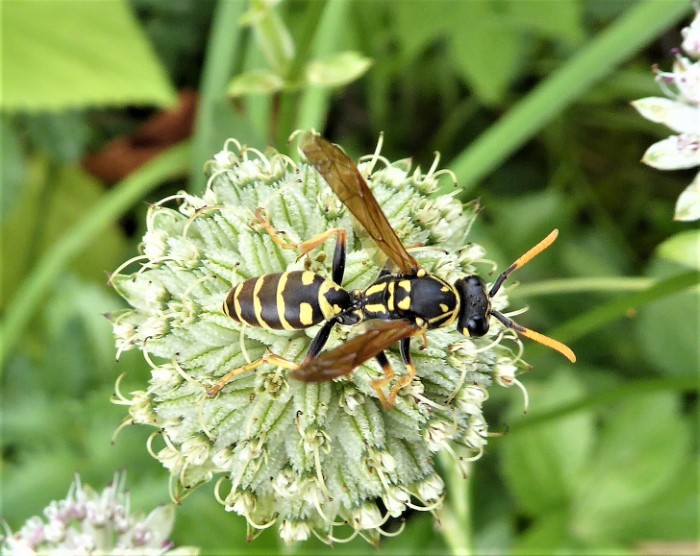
(533, 335)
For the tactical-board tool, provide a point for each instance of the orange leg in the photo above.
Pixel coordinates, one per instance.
(389, 375)
(380, 383)
(403, 381)
(303, 247)
(269, 358)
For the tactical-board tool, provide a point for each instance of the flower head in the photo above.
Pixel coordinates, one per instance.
(87, 522)
(681, 113)
(310, 458)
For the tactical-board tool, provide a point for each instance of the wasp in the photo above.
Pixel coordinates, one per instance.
(404, 301)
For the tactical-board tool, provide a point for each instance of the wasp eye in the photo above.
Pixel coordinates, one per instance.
(477, 326)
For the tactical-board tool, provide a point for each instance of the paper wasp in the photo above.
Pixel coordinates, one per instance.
(400, 304)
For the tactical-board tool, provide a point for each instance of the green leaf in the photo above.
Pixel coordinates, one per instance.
(541, 465)
(668, 329)
(12, 168)
(416, 26)
(555, 19)
(255, 82)
(62, 54)
(489, 54)
(547, 535)
(64, 136)
(642, 450)
(673, 514)
(683, 248)
(338, 69)
(79, 306)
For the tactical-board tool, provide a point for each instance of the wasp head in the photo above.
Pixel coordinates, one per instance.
(473, 319)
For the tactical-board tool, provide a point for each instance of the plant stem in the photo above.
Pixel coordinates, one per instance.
(614, 309)
(173, 162)
(578, 285)
(289, 102)
(455, 516)
(314, 101)
(623, 392)
(223, 45)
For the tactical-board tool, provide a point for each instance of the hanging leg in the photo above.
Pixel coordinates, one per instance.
(405, 348)
(319, 341)
(380, 383)
(389, 374)
(269, 358)
(309, 245)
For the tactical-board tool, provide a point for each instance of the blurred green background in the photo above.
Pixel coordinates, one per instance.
(109, 105)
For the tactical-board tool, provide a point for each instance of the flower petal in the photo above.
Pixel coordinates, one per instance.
(675, 152)
(680, 117)
(688, 204)
(691, 37)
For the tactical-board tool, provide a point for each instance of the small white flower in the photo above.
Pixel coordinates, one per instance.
(681, 113)
(431, 488)
(89, 523)
(293, 531)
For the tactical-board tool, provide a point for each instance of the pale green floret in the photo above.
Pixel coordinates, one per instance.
(322, 458)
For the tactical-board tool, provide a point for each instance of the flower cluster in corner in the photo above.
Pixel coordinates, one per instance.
(323, 459)
(681, 113)
(87, 522)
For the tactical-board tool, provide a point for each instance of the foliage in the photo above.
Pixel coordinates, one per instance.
(527, 102)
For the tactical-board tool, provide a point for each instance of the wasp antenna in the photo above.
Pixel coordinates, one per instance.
(523, 260)
(536, 336)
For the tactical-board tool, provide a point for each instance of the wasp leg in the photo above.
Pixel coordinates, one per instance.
(405, 347)
(309, 245)
(269, 358)
(424, 341)
(380, 383)
(319, 341)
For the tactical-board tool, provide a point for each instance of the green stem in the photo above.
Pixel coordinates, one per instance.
(173, 162)
(620, 306)
(223, 46)
(289, 101)
(455, 516)
(313, 105)
(623, 392)
(599, 58)
(578, 285)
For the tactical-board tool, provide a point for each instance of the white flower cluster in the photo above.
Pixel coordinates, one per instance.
(87, 522)
(313, 458)
(681, 113)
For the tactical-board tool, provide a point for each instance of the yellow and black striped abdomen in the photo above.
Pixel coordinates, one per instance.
(285, 301)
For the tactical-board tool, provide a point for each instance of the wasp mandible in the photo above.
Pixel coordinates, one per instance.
(403, 302)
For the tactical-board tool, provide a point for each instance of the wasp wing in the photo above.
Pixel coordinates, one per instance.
(345, 180)
(347, 357)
